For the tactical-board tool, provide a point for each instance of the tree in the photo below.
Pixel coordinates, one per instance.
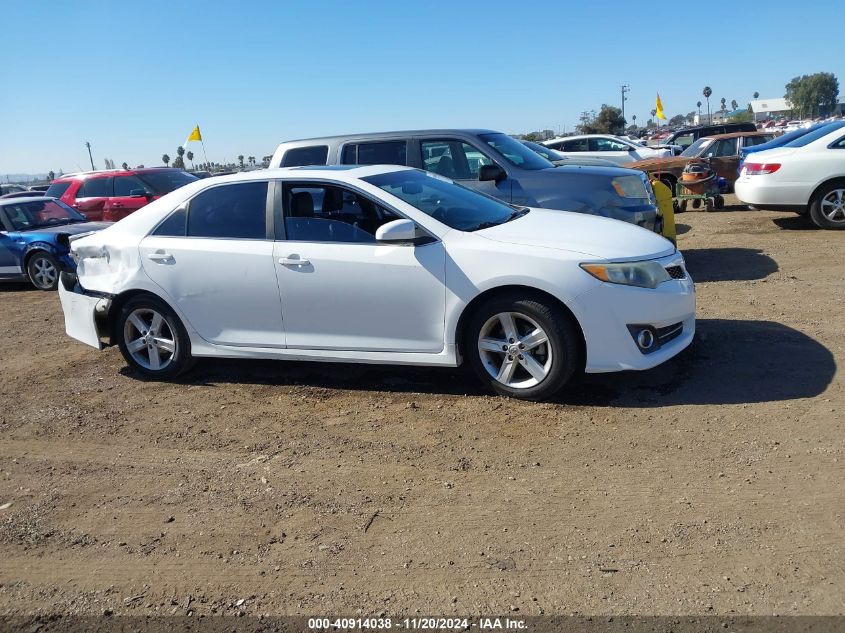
(634, 119)
(734, 104)
(741, 117)
(609, 120)
(252, 160)
(677, 120)
(707, 92)
(51, 175)
(125, 165)
(812, 95)
(190, 157)
(165, 159)
(241, 160)
(756, 95)
(179, 163)
(722, 101)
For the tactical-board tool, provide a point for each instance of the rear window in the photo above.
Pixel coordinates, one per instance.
(165, 181)
(816, 134)
(57, 189)
(384, 153)
(299, 156)
(95, 188)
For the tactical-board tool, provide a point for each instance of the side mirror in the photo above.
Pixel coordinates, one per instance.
(140, 193)
(397, 231)
(491, 172)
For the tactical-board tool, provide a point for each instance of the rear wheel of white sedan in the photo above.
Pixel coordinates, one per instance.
(522, 348)
(152, 339)
(828, 207)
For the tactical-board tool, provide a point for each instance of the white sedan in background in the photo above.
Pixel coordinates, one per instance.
(378, 264)
(807, 175)
(618, 150)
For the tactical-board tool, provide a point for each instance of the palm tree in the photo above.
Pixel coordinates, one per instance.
(756, 95)
(51, 175)
(251, 160)
(165, 159)
(190, 156)
(734, 104)
(125, 165)
(723, 106)
(634, 119)
(699, 110)
(707, 92)
(241, 160)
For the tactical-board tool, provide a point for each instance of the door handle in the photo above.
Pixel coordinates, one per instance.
(294, 260)
(116, 204)
(160, 256)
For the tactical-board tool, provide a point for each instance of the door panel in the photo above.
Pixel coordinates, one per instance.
(373, 297)
(122, 203)
(226, 288)
(9, 254)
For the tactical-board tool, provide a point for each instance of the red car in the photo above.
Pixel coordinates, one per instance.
(112, 195)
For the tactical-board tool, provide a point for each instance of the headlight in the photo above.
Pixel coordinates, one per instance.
(648, 274)
(629, 187)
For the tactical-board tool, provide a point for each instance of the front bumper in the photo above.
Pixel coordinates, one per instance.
(83, 312)
(607, 311)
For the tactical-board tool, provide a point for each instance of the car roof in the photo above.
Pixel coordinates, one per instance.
(376, 135)
(25, 199)
(736, 134)
(337, 172)
(102, 173)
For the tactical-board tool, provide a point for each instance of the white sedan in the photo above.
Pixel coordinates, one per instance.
(807, 175)
(618, 150)
(378, 264)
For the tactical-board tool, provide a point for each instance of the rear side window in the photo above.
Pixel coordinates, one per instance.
(125, 185)
(384, 153)
(580, 145)
(57, 189)
(298, 156)
(236, 211)
(166, 180)
(95, 188)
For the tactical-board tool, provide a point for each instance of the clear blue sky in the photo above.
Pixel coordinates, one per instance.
(134, 78)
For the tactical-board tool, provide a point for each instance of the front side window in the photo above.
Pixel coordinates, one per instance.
(235, 211)
(452, 159)
(607, 145)
(578, 145)
(328, 213)
(697, 148)
(95, 188)
(515, 152)
(722, 148)
(40, 213)
(452, 204)
(125, 185)
(378, 153)
(300, 156)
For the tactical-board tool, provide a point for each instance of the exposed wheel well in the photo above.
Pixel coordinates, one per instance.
(523, 292)
(818, 189)
(117, 304)
(32, 253)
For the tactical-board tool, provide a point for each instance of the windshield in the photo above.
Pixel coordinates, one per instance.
(698, 147)
(815, 134)
(166, 180)
(515, 152)
(546, 152)
(447, 202)
(37, 214)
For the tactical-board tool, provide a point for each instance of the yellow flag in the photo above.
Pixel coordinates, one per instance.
(196, 136)
(657, 106)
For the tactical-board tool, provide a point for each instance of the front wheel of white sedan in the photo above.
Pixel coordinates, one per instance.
(152, 339)
(522, 348)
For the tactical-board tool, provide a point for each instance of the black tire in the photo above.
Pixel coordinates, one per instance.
(719, 201)
(709, 204)
(562, 354)
(696, 203)
(683, 206)
(819, 206)
(171, 364)
(43, 271)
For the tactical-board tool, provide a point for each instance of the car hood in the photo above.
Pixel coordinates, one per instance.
(596, 237)
(651, 164)
(69, 229)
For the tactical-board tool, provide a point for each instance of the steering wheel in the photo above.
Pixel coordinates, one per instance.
(439, 214)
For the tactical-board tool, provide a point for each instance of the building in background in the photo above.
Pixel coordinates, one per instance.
(771, 108)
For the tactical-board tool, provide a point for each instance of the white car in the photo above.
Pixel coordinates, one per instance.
(378, 264)
(618, 150)
(807, 175)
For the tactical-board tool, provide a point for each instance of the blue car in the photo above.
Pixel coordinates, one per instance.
(783, 139)
(34, 239)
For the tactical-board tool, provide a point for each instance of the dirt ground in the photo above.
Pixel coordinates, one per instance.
(712, 484)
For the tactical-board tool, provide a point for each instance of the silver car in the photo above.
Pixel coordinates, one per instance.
(491, 162)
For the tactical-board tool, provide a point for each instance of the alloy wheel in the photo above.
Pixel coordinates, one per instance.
(149, 339)
(44, 273)
(833, 205)
(515, 350)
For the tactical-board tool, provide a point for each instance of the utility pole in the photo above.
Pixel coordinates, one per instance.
(625, 89)
(88, 145)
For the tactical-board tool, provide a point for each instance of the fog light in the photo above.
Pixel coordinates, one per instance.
(645, 339)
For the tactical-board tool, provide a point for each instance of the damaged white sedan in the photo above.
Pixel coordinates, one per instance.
(378, 265)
